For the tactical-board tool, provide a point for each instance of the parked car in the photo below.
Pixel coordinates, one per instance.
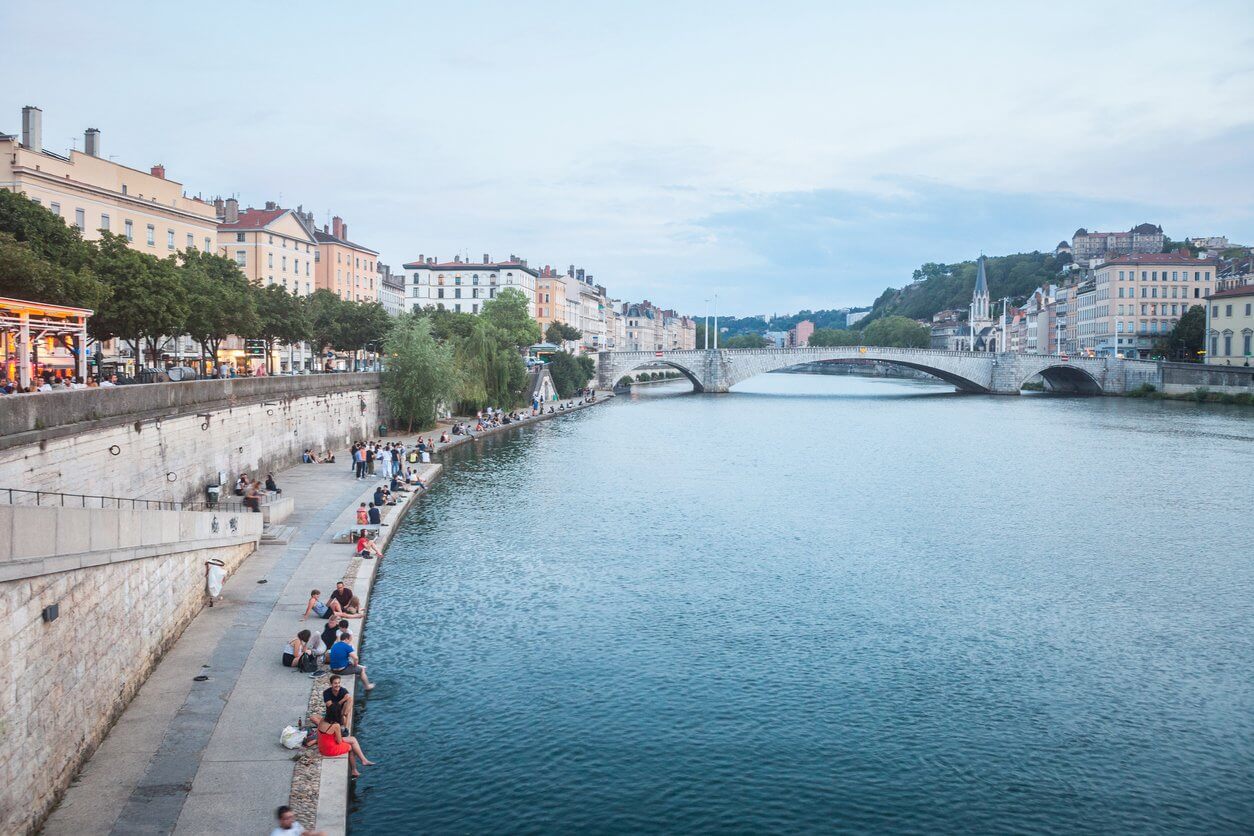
(181, 373)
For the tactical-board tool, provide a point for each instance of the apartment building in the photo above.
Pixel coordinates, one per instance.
(271, 245)
(1230, 327)
(1143, 238)
(342, 266)
(391, 290)
(1138, 299)
(551, 298)
(463, 285)
(93, 193)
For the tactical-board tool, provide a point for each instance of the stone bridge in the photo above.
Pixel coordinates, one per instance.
(717, 370)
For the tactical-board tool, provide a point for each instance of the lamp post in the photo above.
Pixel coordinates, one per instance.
(707, 324)
(716, 322)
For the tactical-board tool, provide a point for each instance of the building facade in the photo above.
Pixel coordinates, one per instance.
(1230, 327)
(1137, 300)
(464, 286)
(269, 245)
(551, 298)
(342, 266)
(391, 290)
(799, 335)
(1143, 238)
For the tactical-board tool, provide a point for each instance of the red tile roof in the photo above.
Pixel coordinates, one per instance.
(1160, 258)
(1247, 290)
(255, 219)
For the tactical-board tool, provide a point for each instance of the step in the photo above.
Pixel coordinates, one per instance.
(274, 535)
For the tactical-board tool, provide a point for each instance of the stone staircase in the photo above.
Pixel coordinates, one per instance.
(276, 535)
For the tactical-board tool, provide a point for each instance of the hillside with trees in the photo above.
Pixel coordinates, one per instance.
(936, 287)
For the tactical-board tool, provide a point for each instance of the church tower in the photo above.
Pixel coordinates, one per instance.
(979, 299)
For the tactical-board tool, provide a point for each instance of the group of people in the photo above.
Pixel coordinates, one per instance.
(335, 647)
(254, 491)
(309, 456)
(50, 382)
(374, 458)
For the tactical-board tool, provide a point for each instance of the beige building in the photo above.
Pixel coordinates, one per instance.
(551, 298)
(270, 245)
(342, 266)
(1139, 298)
(93, 193)
(1230, 327)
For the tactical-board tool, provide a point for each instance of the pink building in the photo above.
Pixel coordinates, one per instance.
(799, 337)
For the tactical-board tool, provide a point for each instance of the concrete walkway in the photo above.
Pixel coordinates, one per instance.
(203, 757)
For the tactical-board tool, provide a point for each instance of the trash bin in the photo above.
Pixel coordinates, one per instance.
(212, 492)
(383, 430)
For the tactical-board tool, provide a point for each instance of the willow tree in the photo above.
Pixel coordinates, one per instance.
(419, 375)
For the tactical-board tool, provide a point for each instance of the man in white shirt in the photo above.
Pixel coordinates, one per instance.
(111, 381)
(288, 826)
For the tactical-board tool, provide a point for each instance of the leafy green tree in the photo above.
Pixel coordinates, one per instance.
(44, 260)
(832, 337)
(559, 332)
(570, 373)
(1187, 338)
(220, 300)
(419, 375)
(897, 331)
(508, 312)
(147, 300)
(744, 341)
(327, 320)
(282, 317)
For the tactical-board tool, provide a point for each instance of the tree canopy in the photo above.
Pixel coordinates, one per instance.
(509, 312)
(420, 373)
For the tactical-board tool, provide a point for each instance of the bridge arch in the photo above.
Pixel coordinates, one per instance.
(957, 381)
(1064, 378)
(653, 362)
(965, 371)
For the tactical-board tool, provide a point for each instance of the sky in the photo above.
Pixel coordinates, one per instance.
(780, 156)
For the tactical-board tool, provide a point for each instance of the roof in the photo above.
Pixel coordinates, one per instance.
(1246, 290)
(471, 265)
(1160, 258)
(327, 238)
(255, 218)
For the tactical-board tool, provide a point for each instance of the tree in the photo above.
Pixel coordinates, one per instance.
(146, 302)
(508, 312)
(832, 337)
(897, 331)
(282, 317)
(570, 373)
(559, 332)
(419, 374)
(220, 300)
(42, 259)
(1187, 338)
(745, 341)
(325, 310)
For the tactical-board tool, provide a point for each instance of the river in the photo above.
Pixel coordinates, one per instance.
(823, 603)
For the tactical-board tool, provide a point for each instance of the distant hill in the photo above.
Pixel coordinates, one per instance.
(732, 325)
(940, 286)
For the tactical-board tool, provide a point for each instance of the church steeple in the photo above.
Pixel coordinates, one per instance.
(979, 299)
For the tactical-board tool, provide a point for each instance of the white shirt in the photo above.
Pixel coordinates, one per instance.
(105, 383)
(295, 830)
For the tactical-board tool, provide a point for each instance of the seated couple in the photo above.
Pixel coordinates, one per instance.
(310, 457)
(342, 603)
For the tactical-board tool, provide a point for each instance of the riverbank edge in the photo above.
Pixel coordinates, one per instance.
(330, 808)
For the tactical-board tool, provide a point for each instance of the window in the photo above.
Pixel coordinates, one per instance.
(1214, 345)
(1120, 275)
(239, 237)
(169, 239)
(128, 227)
(1245, 343)
(80, 219)
(241, 257)
(104, 222)
(271, 237)
(191, 241)
(269, 259)
(1247, 308)
(125, 189)
(1228, 343)
(457, 294)
(1227, 310)
(208, 245)
(284, 260)
(1143, 275)
(306, 268)
(152, 235)
(55, 207)
(284, 240)
(1214, 310)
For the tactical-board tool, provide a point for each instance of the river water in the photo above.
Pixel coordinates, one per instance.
(823, 603)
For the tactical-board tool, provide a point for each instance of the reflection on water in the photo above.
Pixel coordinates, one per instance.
(823, 603)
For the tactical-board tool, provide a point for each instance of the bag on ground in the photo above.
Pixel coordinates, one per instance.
(292, 737)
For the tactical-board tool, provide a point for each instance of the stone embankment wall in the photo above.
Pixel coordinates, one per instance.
(1183, 378)
(170, 440)
(126, 584)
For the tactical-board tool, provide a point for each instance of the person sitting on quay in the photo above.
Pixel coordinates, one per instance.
(363, 516)
(374, 517)
(289, 826)
(316, 606)
(252, 499)
(342, 594)
(295, 649)
(397, 486)
(380, 495)
(412, 477)
(333, 743)
(271, 485)
(343, 659)
(307, 457)
(327, 457)
(339, 703)
(366, 547)
(331, 632)
(241, 484)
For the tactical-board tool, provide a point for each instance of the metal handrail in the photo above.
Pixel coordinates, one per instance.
(53, 499)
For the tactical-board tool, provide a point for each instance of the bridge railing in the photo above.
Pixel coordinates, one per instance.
(53, 499)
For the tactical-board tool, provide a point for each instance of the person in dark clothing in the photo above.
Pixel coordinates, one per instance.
(375, 517)
(338, 702)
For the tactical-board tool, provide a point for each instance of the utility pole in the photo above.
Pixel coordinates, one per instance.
(1005, 300)
(707, 324)
(716, 322)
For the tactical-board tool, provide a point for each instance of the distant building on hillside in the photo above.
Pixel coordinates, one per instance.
(854, 317)
(1213, 242)
(799, 335)
(1144, 238)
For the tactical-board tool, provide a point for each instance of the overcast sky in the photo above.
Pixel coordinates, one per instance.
(783, 155)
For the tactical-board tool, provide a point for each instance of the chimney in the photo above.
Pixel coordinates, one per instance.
(232, 211)
(457, 259)
(579, 274)
(158, 170)
(422, 259)
(33, 128)
(337, 226)
(570, 271)
(270, 206)
(219, 207)
(486, 260)
(91, 142)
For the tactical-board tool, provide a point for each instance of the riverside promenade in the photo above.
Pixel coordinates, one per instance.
(204, 757)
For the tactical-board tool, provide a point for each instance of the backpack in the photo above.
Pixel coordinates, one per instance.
(308, 663)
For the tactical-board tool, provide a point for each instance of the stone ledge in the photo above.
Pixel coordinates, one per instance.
(12, 570)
